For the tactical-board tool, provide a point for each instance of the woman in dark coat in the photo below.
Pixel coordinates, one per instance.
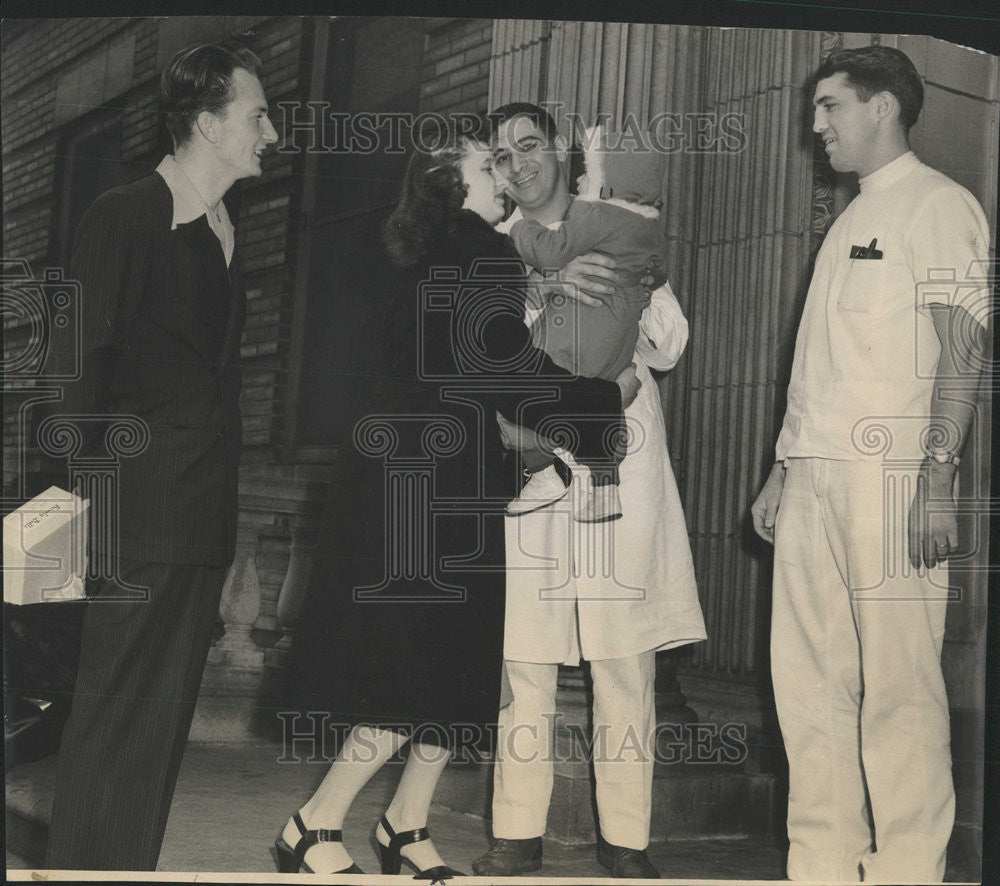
(401, 630)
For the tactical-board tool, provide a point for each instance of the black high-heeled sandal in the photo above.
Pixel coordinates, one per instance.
(392, 860)
(292, 861)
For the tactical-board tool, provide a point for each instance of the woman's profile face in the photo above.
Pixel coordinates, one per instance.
(484, 197)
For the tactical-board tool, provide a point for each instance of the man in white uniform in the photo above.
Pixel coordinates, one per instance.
(859, 503)
(612, 593)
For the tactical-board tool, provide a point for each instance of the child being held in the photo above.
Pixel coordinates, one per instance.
(615, 213)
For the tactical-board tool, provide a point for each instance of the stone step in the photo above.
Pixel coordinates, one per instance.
(232, 799)
(210, 831)
(689, 802)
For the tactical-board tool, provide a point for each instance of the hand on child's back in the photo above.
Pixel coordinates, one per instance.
(590, 276)
(629, 384)
(653, 277)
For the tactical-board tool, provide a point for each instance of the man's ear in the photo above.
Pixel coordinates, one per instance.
(885, 104)
(562, 148)
(206, 122)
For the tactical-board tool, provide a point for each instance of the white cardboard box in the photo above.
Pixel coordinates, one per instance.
(45, 549)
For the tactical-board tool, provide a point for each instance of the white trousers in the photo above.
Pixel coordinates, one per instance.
(856, 639)
(624, 717)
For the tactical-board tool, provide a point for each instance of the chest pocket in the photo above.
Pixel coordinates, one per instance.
(872, 285)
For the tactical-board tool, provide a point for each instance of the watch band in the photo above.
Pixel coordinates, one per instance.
(943, 456)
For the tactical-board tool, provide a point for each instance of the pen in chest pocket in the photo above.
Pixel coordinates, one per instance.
(869, 252)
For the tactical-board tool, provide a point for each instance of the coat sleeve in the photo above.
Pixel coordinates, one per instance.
(110, 256)
(109, 261)
(524, 384)
(527, 373)
(544, 249)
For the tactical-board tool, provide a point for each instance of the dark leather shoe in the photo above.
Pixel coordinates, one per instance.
(508, 858)
(626, 863)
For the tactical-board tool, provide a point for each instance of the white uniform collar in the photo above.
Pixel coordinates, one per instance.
(892, 172)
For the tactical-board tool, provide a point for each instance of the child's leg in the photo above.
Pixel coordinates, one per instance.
(545, 483)
(601, 450)
(535, 459)
(602, 474)
(601, 447)
(602, 343)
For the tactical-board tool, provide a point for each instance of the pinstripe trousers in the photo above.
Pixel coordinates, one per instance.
(141, 664)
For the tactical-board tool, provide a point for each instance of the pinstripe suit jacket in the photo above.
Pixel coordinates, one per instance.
(162, 318)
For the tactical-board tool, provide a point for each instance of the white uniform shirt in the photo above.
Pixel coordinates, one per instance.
(867, 352)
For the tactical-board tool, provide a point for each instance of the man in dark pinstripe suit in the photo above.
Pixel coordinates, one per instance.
(163, 311)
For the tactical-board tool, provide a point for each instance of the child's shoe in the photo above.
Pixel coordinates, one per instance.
(601, 505)
(543, 488)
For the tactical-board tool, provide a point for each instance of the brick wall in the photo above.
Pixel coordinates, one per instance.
(456, 71)
(268, 241)
(58, 73)
(42, 102)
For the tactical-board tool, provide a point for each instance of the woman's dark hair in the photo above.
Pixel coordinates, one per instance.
(874, 69)
(201, 79)
(433, 191)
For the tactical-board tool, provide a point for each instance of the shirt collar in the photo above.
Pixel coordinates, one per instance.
(188, 202)
(892, 172)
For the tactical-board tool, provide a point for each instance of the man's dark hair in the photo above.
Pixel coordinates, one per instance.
(201, 79)
(874, 69)
(541, 118)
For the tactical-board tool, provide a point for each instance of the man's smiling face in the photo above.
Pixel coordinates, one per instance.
(244, 128)
(846, 124)
(529, 166)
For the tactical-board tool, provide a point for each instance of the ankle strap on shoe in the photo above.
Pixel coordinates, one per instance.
(317, 835)
(309, 838)
(326, 835)
(398, 841)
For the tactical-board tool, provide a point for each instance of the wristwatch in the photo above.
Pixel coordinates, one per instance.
(943, 456)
